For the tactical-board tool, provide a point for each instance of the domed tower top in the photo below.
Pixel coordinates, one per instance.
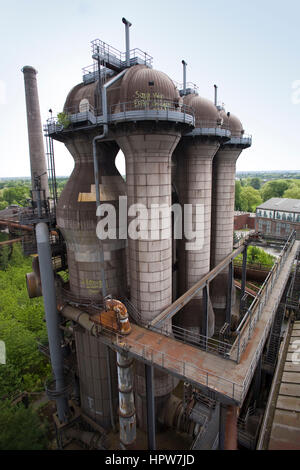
(206, 114)
(86, 97)
(232, 122)
(143, 84)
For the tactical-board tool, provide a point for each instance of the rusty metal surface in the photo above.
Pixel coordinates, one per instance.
(228, 379)
(10, 242)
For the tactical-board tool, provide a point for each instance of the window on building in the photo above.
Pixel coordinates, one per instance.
(278, 226)
(268, 227)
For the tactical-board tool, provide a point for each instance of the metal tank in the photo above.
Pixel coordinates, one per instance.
(76, 210)
(194, 156)
(152, 107)
(35, 136)
(224, 169)
(76, 218)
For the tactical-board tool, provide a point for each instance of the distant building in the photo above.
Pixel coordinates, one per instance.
(278, 216)
(244, 220)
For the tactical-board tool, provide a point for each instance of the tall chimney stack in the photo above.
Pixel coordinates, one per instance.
(35, 136)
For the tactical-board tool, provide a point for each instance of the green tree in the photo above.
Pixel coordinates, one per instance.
(256, 255)
(274, 188)
(293, 192)
(255, 182)
(237, 196)
(250, 199)
(21, 428)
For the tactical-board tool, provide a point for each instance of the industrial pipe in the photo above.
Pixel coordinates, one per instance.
(82, 318)
(127, 26)
(184, 76)
(216, 95)
(52, 319)
(127, 416)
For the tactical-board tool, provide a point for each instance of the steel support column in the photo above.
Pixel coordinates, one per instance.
(111, 407)
(150, 407)
(257, 379)
(244, 276)
(52, 319)
(229, 294)
(205, 314)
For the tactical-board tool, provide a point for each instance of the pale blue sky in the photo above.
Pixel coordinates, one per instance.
(249, 49)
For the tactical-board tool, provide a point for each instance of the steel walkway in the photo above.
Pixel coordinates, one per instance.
(228, 380)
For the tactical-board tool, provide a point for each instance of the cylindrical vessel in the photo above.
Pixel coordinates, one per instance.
(77, 220)
(224, 169)
(148, 146)
(194, 157)
(35, 136)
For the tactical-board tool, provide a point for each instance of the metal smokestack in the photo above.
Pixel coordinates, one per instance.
(127, 26)
(184, 76)
(35, 136)
(216, 95)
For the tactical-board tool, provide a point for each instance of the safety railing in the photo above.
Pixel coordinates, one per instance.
(189, 86)
(149, 102)
(172, 364)
(244, 139)
(246, 327)
(111, 55)
(238, 263)
(211, 345)
(151, 108)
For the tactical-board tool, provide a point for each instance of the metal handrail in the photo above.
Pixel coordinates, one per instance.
(172, 363)
(259, 266)
(254, 311)
(110, 52)
(155, 104)
(197, 340)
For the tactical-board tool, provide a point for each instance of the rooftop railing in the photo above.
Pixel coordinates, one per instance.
(112, 56)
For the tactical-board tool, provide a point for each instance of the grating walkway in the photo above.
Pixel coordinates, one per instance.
(227, 379)
(285, 431)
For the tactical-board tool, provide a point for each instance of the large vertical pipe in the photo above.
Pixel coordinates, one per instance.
(216, 95)
(52, 320)
(127, 417)
(35, 136)
(127, 26)
(184, 76)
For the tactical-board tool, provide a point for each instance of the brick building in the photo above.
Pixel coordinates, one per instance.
(278, 216)
(244, 220)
